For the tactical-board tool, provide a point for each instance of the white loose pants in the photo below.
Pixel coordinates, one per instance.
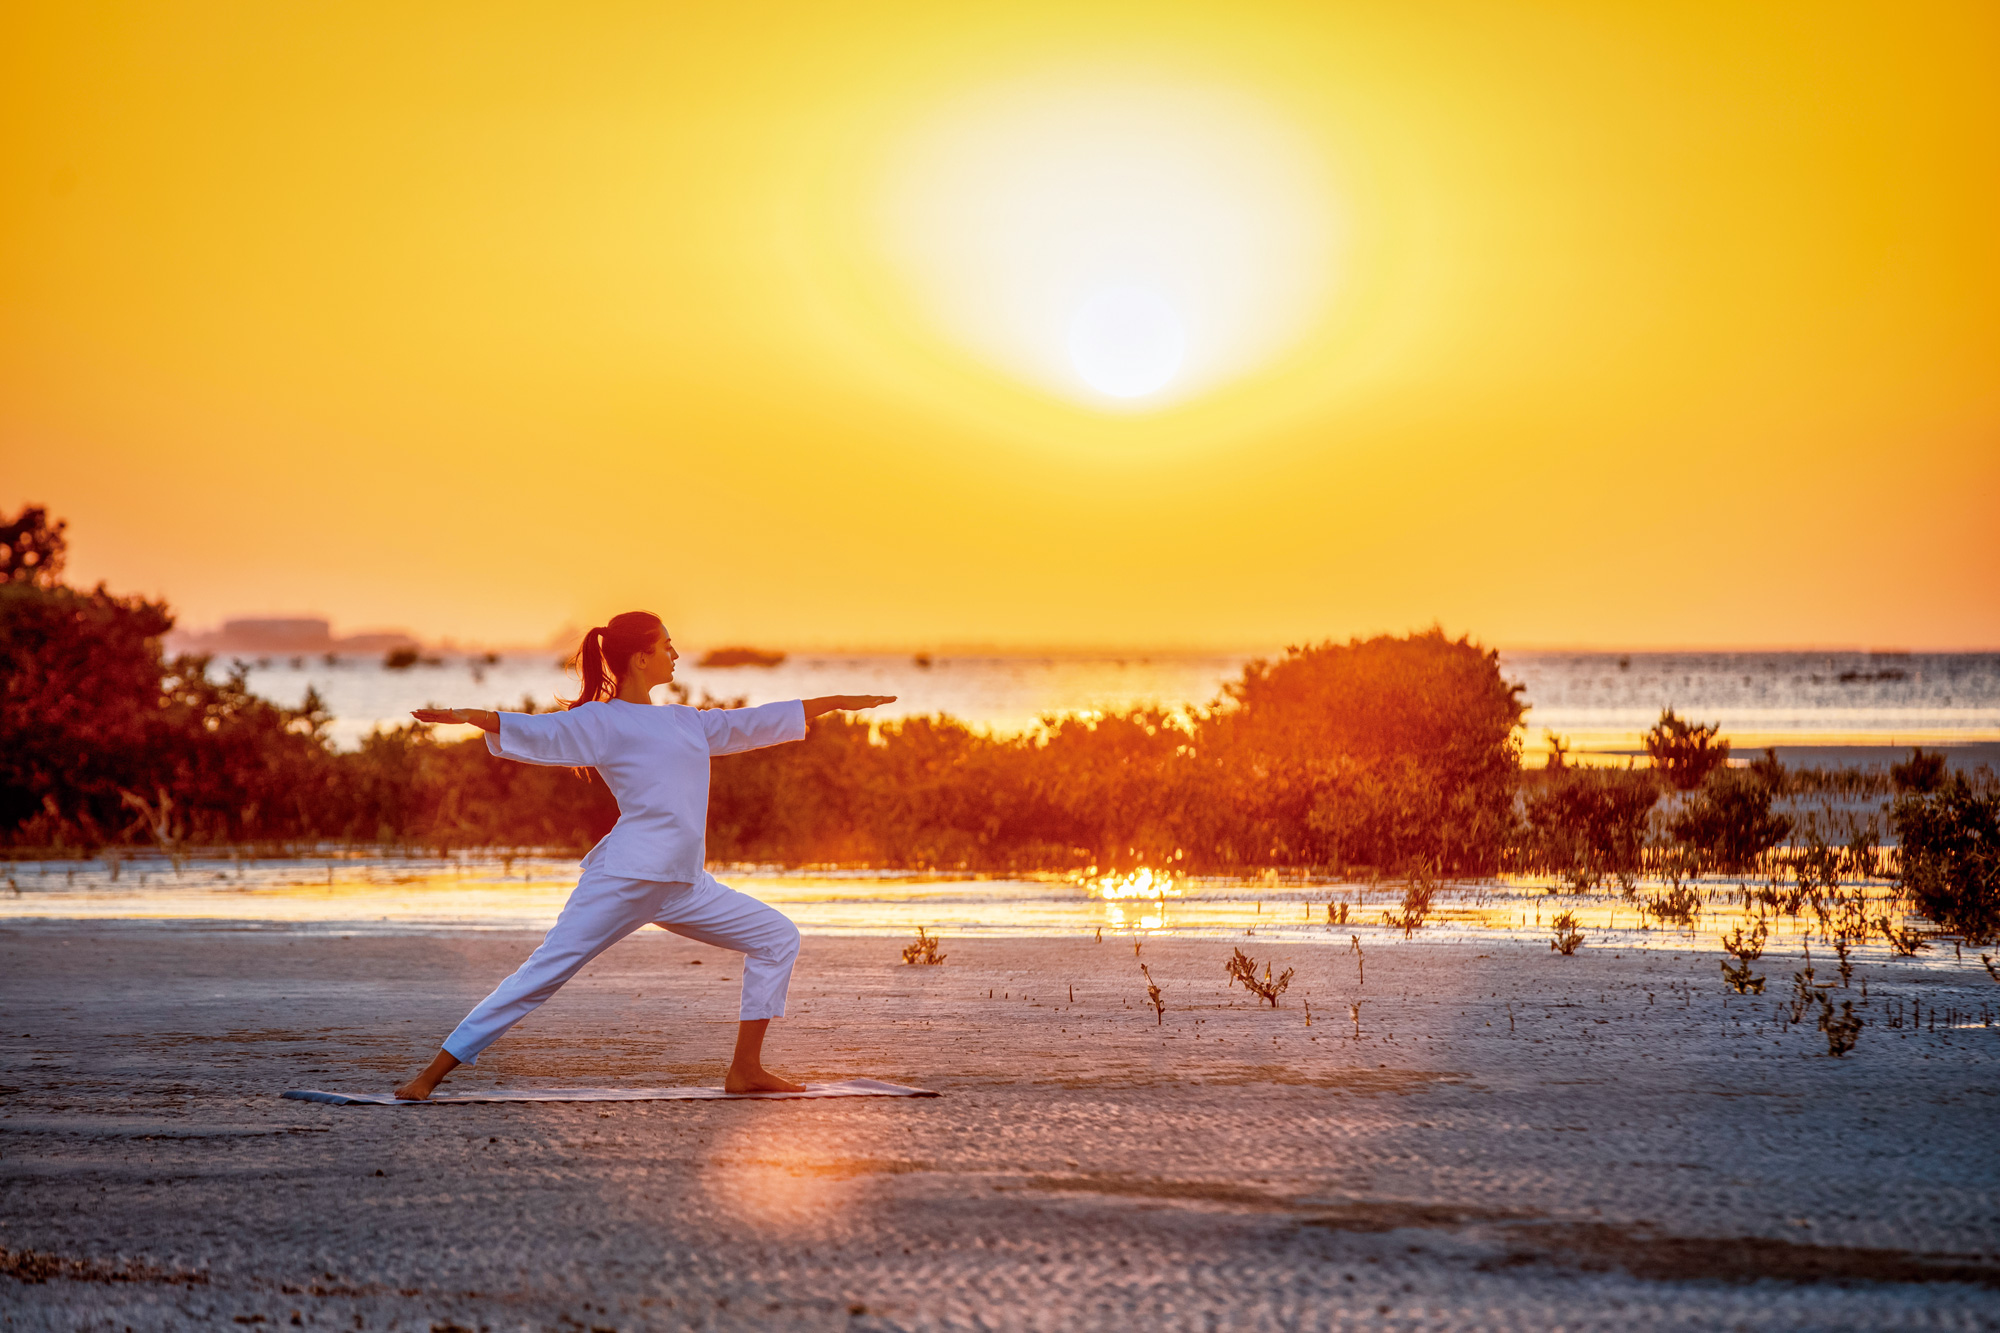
(604, 909)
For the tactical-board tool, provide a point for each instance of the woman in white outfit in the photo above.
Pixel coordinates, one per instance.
(648, 869)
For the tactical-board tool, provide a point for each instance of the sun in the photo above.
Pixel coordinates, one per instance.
(1123, 243)
(1126, 341)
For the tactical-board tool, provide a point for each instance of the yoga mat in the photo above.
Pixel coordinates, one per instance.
(852, 1087)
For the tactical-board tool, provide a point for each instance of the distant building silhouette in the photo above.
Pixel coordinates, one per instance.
(289, 636)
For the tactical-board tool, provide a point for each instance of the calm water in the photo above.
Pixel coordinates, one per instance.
(340, 894)
(1600, 700)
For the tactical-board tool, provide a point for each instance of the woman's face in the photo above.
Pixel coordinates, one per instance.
(655, 665)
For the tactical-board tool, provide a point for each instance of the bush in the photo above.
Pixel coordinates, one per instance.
(1950, 860)
(1919, 773)
(1388, 752)
(1684, 753)
(1392, 752)
(1586, 824)
(90, 710)
(1728, 824)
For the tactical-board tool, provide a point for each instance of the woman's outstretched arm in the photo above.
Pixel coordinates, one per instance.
(833, 703)
(483, 718)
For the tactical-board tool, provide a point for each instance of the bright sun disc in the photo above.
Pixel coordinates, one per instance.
(1122, 242)
(1126, 342)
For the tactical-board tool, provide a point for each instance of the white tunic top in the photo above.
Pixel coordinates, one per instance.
(655, 760)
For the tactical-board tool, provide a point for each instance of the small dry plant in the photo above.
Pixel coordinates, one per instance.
(1985, 958)
(1244, 969)
(1746, 949)
(1568, 937)
(1354, 1012)
(1418, 892)
(1842, 1032)
(1360, 959)
(1678, 906)
(1804, 996)
(1336, 914)
(925, 950)
(1903, 942)
(1153, 997)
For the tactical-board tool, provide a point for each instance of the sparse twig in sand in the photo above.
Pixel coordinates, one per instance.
(1244, 969)
(1842, 1032)
(1804, 996)
(1153, 997)
(1354, 1012)
(925, 950)
(1360, 959)
(1903, 942)
(1567, 935)
(158, 820)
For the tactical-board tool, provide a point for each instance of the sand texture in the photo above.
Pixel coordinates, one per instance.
(1515, 1140)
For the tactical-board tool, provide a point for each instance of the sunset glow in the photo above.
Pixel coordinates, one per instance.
(1115, 242)
(904, 328)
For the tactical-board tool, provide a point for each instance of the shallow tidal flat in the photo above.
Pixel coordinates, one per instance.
(1500, 1138)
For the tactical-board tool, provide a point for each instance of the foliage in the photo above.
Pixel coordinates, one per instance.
(1919, 773)
(1841, 1032)
(1950, 861)
(1746, 948)
(1418, 893)
(1568, 935)
(1588, 823)
(1729, 823)
(924, 951)
(32, 549)
(1392, 752)
(90, 710)
(1678, 906)
(1683, 752)
(1242, 968)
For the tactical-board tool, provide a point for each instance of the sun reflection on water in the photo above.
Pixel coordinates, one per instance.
(1141, 883)
(345, 893)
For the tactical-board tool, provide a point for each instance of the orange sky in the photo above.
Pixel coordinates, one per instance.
(1671, 325)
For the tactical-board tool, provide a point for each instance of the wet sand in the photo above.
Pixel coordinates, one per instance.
(1514, 1140)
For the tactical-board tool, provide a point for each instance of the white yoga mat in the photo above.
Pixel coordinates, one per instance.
(852, 1087)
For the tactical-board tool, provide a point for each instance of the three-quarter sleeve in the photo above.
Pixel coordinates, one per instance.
(731, 730)
(563, 740)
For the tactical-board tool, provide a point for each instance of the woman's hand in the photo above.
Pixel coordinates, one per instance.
(832, 703)
(483, 718)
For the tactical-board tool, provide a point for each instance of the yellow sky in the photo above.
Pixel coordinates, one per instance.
(1618, 325)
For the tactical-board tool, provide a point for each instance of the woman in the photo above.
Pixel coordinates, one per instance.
(648, 869)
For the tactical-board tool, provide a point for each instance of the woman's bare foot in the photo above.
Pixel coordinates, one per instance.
(757, 1079)
(420, 1088)
(746, 1066)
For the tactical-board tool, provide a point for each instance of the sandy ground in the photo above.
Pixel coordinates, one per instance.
(1514, 1140)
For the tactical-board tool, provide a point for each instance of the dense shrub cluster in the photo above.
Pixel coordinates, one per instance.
(1386, 753)
(1950, 864)
(1392, 754)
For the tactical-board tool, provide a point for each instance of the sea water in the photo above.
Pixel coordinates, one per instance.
(1597, 701)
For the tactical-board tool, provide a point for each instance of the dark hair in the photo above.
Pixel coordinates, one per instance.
(608, 650)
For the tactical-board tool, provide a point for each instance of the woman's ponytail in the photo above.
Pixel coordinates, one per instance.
(607, 650)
